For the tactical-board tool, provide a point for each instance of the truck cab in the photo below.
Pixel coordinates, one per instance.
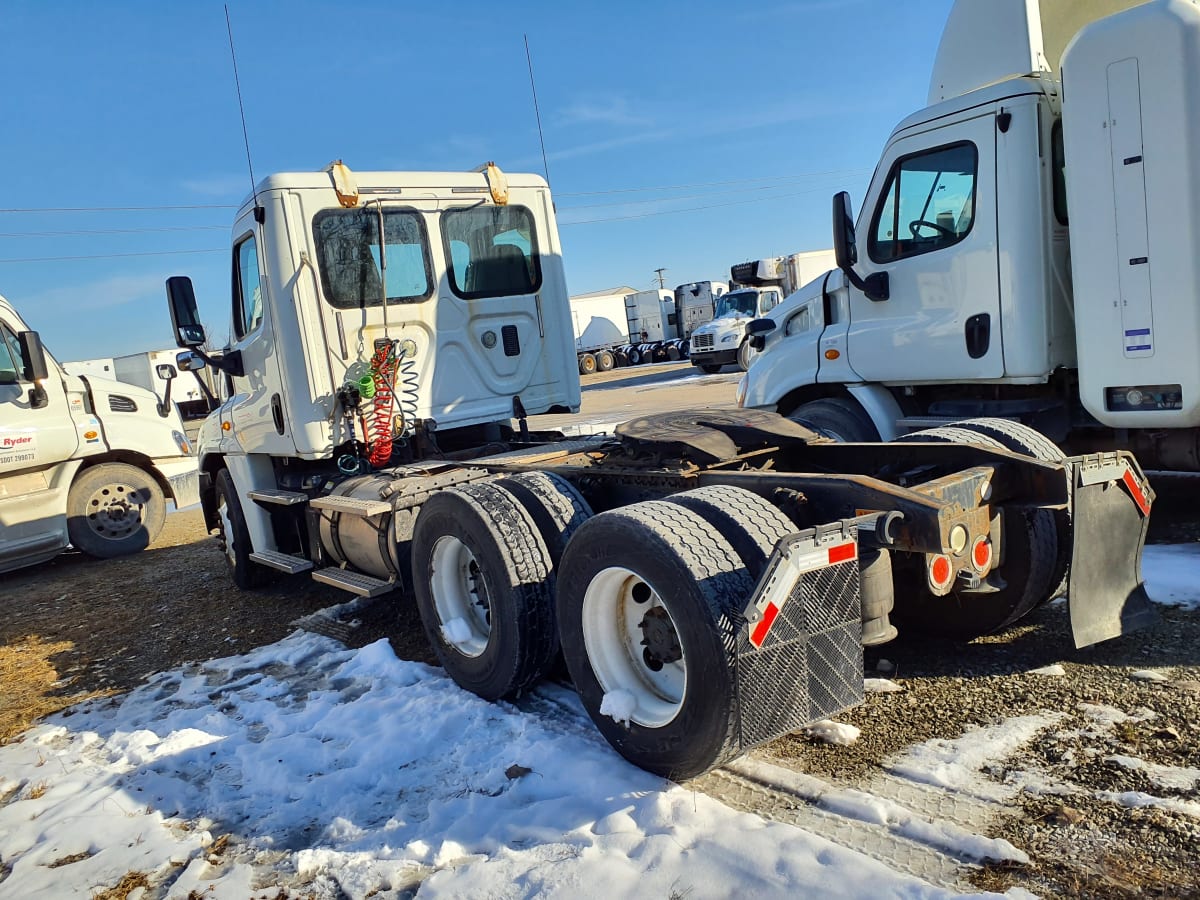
(1012, 254)
(721, 341)
(84, 461)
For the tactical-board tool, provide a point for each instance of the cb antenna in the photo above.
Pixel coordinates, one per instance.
(259, 213)
(536, 112)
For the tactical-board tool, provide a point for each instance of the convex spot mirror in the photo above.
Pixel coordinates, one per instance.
(166, 371)
(187, 361)
(185, 318)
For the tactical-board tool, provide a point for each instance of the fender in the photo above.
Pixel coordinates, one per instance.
(251, 471)
(880, 404)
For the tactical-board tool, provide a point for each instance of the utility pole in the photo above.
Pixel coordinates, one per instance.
(659, 272)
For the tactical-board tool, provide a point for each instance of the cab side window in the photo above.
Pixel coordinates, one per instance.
(247, 288)
(770, 299)
(10, 357)
(929, 203)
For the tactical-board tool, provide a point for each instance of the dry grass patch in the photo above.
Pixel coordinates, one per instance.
(30, 686)
(131, 882)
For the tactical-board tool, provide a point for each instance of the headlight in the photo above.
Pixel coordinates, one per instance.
(182, 443)
(729, 338)
(743, 385)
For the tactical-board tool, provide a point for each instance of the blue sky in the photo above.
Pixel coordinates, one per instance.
(741, 121)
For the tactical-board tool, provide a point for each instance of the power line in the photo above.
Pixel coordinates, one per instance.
(685, 187)
(76, 209)
(99, 231)
(27, 259)
(768, 187)
(667, 212)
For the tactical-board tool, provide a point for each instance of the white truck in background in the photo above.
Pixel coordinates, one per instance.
(1027, 246)
(143, 369)
(376, 436)
(84, 460)
(757, 287)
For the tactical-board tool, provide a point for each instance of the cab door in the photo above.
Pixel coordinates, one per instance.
(36, 444)
(31, 437)
(257, 409)
(930, 223)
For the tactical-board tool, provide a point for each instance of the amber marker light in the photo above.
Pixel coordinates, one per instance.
(832, 354)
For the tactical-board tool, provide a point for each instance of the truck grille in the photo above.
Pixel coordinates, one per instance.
(702, 341)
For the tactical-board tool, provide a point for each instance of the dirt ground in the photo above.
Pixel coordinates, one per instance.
(77, 627)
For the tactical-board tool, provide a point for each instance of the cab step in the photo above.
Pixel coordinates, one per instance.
(354, 582)
(277, 497)
(284, 562)
(352, 506)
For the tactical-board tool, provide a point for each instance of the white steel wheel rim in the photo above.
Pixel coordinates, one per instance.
(114, 511)
(612, 636)
(460, 595)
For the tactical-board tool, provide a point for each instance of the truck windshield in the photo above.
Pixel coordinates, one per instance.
(737, 303)
(348, 250)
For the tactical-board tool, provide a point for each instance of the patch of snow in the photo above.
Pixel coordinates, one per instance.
(1055, 670)
(1176, 778)
(1148, 675)
(881, 811)
(831, 732)
(960, 763)
(1170, 573)
(618, 706)
(1136, 799)
(352, 773)
(456, 631)
(880, 686)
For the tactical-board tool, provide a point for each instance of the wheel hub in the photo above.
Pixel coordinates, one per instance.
(115, 511)
(660, 641)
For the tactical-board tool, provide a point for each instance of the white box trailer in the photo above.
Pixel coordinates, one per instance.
(601, 326)
(101, 367)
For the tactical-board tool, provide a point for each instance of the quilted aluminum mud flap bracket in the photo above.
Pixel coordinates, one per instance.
(1110, 507)
(799, 655)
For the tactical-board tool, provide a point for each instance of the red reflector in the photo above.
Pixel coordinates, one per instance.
(759, 634)
(841, 553)
(940, 570)
(1139, 496)
(982, 554)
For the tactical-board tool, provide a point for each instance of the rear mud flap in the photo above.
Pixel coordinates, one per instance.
(1110, 514)
(799, 657)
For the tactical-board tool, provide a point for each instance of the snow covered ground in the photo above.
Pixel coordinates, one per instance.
(320, 770)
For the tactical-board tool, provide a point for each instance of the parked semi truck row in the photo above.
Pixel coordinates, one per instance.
(1027, 246)
(84, 461)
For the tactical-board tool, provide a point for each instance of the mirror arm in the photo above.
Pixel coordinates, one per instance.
(875, 286)
(164, 405)
(230, 363)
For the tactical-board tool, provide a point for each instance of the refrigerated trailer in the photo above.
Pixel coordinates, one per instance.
(708, 577)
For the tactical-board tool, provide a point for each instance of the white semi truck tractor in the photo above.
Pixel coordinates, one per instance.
(1027, 247)
(709, 577)
(757, 287)
(84, 461)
